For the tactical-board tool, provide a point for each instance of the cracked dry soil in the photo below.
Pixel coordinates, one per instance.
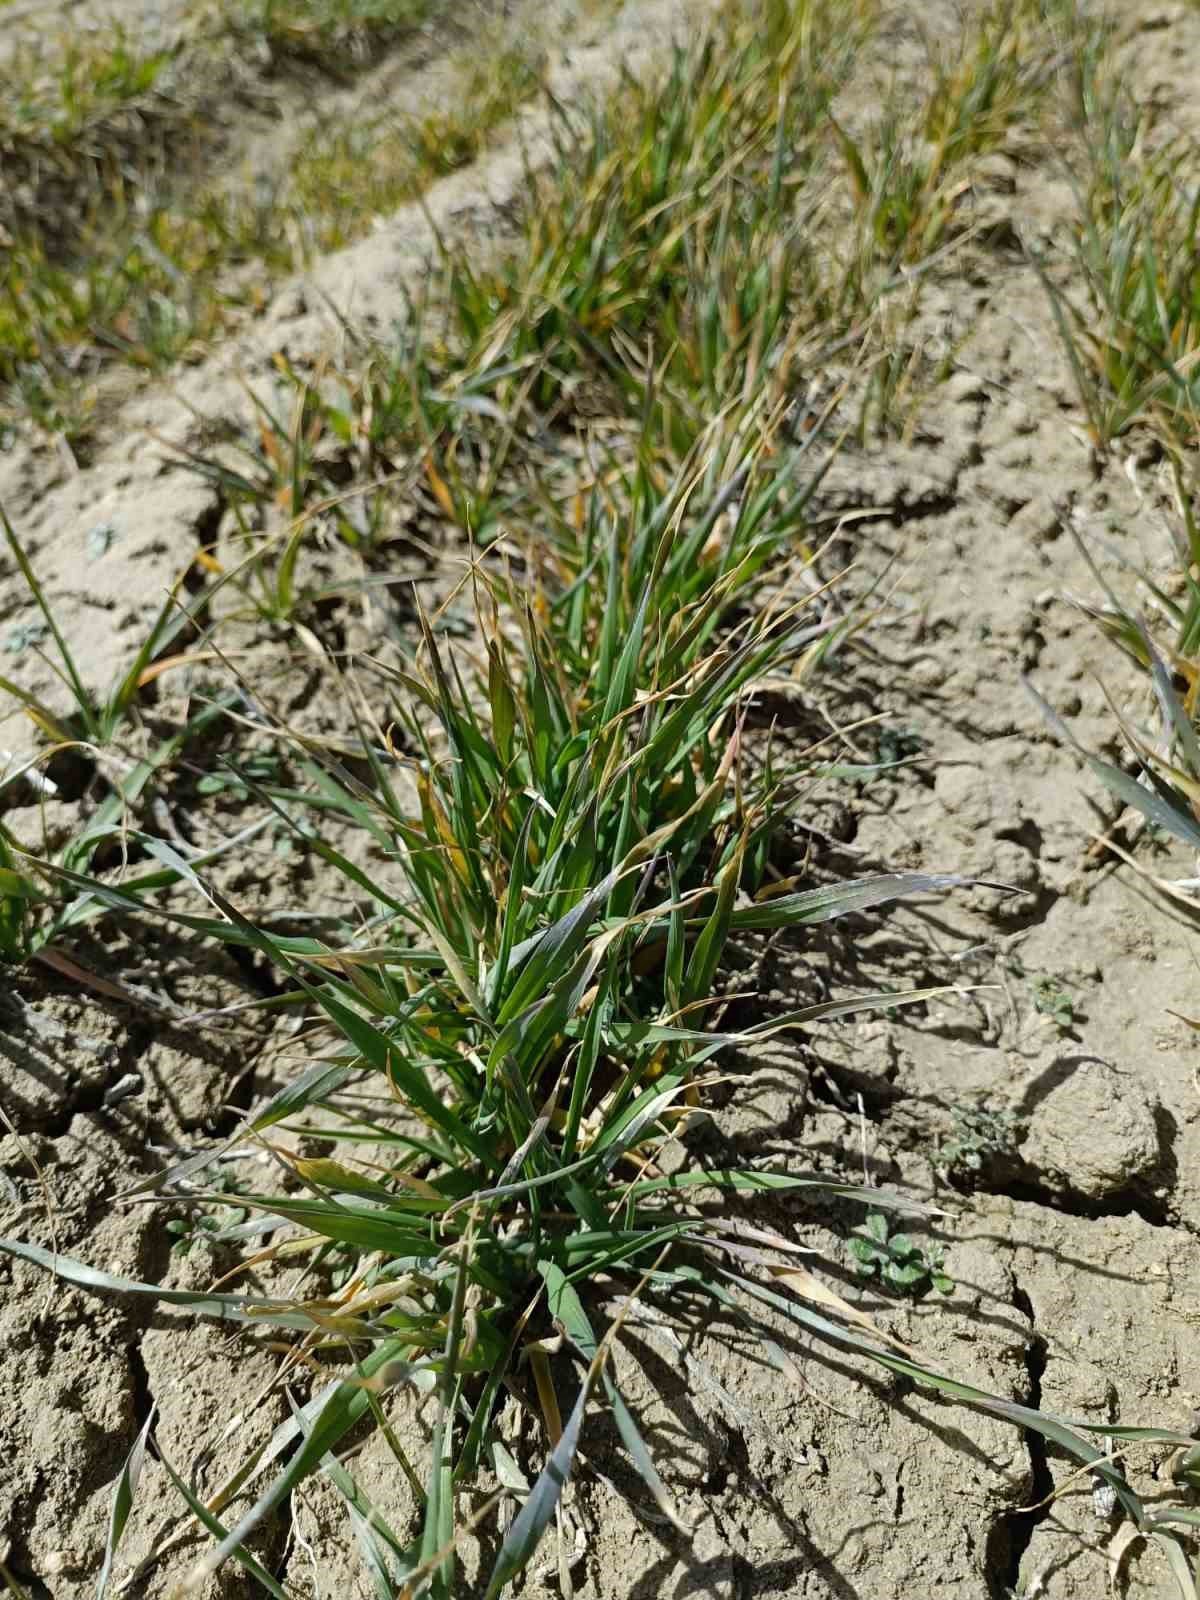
(1058, 1073)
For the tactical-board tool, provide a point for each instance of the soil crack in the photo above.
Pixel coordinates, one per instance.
(1012, 1532)
(143, 1394)
(1152, 1210)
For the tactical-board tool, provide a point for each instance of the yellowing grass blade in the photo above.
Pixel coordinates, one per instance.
(809, 1287)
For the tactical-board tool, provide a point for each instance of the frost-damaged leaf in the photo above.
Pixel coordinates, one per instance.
(83, 700)
(122, 1505)
(538, 1511)
(640, 1455)
(217, 1528)
(1185, 1517)
(368, 1227)
(229, 1307)
(1049, 1426)
(1189, 1582)
(374, 1557)
(341, 1406)
(1123, 1430)
(635, 1033)
(567, 1310)
(628, 1127)
(437, 1532)
(544, 956)
(371, 1043)
(1177, 723)
(374, 1046)
(804, 1283)
(840, 899)
(710, 944)
(1172, 819)
(381, 1549)
(1152, 806)
(1127, 1535)
(740, 1179)
(196, 1162)
(318, 1082)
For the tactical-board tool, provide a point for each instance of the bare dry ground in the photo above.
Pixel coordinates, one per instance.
(1052, 1106)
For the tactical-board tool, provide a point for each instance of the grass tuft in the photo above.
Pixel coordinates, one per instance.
(123, 250)
(556, 815)
(1131, 317)
(339, 36)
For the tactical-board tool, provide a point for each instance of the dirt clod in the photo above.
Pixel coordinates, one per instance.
(1093, 1132)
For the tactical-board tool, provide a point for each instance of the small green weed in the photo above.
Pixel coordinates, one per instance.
(206, 1225)
(24, 636)
(979, 1136)
(1051, 1000)
(898, 1260)
(896, 743)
